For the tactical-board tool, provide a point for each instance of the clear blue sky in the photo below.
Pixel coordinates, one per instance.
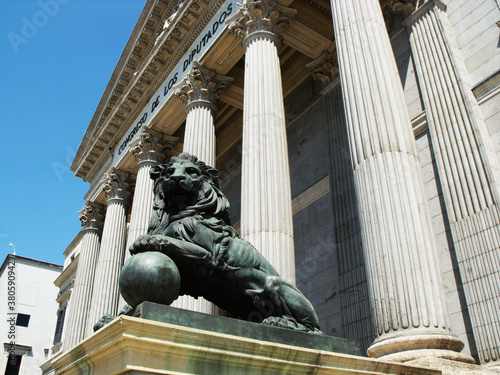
(56, 58)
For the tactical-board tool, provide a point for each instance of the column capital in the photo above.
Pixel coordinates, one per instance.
(396, 12)
(202, 86)
(326, 66)
(261, 18)
(414, 16)
(406, 7)
(152, 147)
(115, 185)
(91, 216)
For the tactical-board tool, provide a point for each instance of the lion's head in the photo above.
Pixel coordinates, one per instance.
(185, 187)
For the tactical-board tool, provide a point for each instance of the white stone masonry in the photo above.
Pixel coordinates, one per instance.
(74, 331)
(266, 204)
(406, 292)
(200, 89)
(105, 293)
(467, 167)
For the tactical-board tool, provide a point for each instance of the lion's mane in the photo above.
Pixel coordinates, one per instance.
(211, 202)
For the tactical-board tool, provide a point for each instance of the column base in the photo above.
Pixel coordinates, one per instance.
(451, 367)
(494, 366)
(414, 344)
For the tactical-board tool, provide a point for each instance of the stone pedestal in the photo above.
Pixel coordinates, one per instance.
(131, 345)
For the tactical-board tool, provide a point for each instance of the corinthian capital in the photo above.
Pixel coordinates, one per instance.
(116, 185)
(151, 146)
(91, 216)
(202, 85)
(326, 66)
(406, 7)
(261, 15)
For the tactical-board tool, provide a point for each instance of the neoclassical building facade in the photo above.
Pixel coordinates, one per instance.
(357, 140)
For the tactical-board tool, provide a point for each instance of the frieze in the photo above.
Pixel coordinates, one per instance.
(206, 14)
(204, 40)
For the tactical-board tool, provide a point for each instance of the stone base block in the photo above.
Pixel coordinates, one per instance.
(131, 345)
(450, 367)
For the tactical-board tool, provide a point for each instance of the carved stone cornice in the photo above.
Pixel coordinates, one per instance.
(134, 55)
(326, 66)
(259, 17)
(165, 47)
(91, 216)
(116, 185)
(202, 86)
(151, 146)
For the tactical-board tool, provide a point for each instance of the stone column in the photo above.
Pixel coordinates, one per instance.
(406, 292)
(199, 90)
(467, 167)
(149, 149)
(105, 292)
(266, 205)
(74, 331)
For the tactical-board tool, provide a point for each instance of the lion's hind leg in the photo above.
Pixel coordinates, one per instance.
(291, 308)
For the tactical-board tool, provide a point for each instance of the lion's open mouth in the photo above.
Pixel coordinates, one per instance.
(180, 192)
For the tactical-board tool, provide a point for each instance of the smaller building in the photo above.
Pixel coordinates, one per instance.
(28, 294)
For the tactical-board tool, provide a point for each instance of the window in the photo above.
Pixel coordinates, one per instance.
(60, 324)
(13, 365)
(22, 320)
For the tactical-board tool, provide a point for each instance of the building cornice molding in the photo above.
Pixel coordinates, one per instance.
(169, 47)
(67, 273)
(30, 261)
(142, 36)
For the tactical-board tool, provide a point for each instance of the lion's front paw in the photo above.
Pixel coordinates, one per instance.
(144, 243)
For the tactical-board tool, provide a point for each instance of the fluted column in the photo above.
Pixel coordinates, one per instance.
(74, 331)
(467, 167)
(149, 149)
(266, 205)
(406, 292)
(200, 89)
(105, 292)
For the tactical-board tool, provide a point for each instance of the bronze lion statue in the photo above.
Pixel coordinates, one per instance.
(190, 224)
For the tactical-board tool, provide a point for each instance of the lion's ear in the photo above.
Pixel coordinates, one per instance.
(214, 175)
(155, 171)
